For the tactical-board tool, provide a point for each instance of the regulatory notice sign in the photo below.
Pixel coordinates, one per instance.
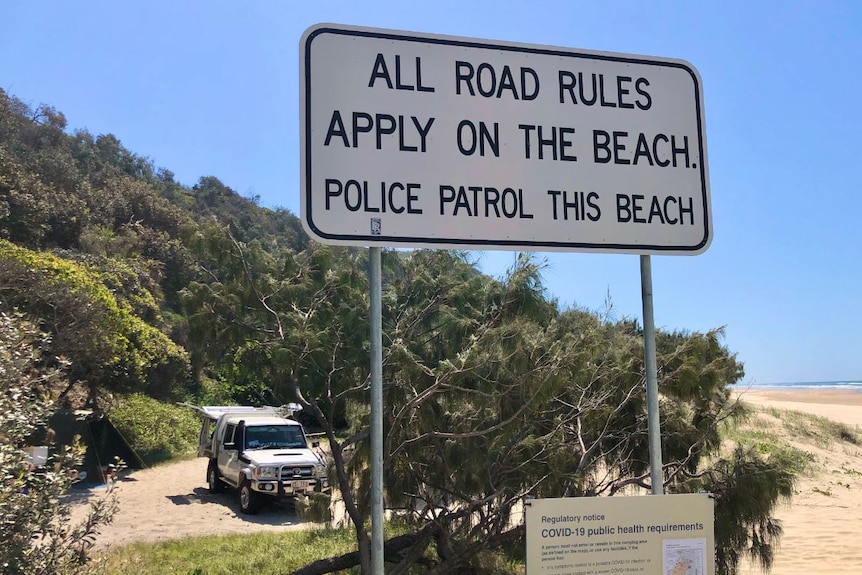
(667, 534)
(418, 140)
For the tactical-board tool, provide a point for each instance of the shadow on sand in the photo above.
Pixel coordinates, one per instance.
(272, 513)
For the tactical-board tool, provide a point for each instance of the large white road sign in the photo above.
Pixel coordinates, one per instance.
(417, 140)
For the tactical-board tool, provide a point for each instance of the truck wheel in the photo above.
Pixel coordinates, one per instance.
(214, 482)
(249, 499)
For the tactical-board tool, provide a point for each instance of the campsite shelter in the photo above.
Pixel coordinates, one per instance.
(103, 442)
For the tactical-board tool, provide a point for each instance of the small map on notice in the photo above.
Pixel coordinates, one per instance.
(684, 556)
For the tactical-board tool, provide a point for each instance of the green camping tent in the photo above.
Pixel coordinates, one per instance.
(102, 441)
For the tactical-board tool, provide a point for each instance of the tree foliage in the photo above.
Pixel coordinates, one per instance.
(492, 392)
(37, 537)
(112, 347)
(155, 430)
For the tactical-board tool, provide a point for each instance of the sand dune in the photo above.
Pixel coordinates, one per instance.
(822, 524)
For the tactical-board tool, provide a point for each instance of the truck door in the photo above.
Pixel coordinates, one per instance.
(235, 465)
(205, 441)
(228, 455)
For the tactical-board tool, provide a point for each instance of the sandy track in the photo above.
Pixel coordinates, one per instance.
(172, 501)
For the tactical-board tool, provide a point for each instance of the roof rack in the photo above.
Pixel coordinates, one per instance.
(216, 411)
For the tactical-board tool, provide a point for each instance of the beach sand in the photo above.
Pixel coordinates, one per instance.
(823, 522)
(844, 406)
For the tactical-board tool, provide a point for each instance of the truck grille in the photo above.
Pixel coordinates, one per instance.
(289, 472)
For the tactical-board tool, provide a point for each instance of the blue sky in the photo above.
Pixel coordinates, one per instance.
(211, 88)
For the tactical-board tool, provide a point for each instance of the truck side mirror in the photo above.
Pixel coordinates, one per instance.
(239, 438)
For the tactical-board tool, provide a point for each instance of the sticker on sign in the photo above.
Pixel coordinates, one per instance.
(417, 140)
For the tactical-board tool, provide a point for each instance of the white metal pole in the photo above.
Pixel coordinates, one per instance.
(653, 422)
(376, 412)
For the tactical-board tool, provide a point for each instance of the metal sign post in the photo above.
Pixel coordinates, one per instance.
(653, 424)
(375, 281)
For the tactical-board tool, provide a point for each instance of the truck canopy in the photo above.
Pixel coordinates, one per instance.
(233, 413)
(215, 411)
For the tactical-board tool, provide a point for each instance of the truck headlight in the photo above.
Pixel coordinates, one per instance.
(322, 477)
(266, 472)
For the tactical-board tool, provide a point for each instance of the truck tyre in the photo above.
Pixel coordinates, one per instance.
(249, 499)
(214, 482)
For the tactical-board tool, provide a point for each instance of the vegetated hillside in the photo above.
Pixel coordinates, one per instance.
(99, 244)
(492, 392)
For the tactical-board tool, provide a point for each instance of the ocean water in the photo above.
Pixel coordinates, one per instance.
(849, 385)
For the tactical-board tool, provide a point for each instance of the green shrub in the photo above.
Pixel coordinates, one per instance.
(156, 431)
(314, 507)
(91, 325)
(38, 535)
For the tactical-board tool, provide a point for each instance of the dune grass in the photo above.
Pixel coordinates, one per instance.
(787, 433)
(820, 431)
(755, 433)
(276, 553)
(270, 553)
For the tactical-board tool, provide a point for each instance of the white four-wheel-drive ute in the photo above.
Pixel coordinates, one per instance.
(260, 451)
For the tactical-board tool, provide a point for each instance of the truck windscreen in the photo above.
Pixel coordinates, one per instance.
(274, 437)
